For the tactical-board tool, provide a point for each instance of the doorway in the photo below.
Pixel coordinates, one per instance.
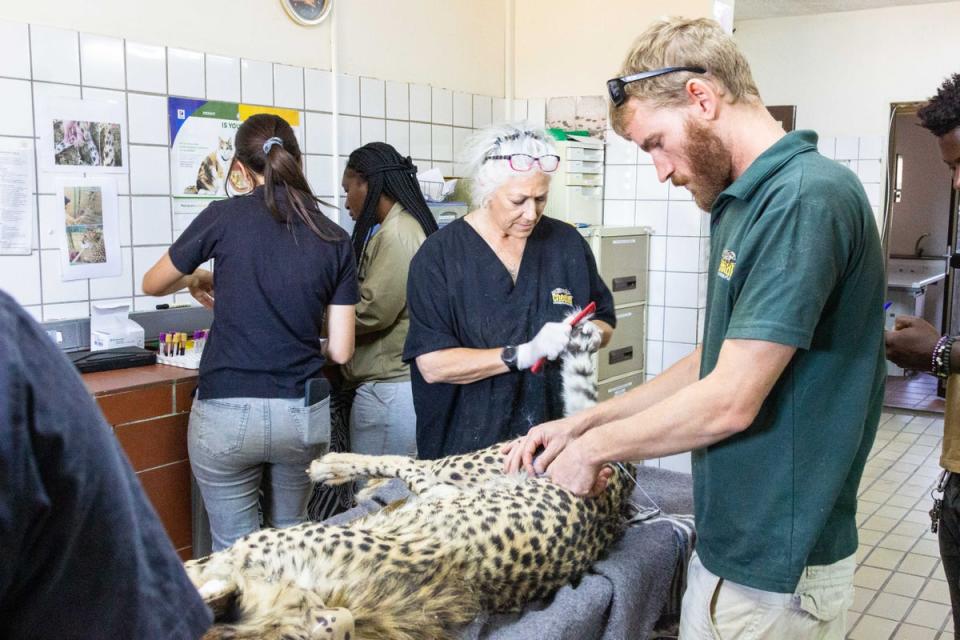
(920, 232)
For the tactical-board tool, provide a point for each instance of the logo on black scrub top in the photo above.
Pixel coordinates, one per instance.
(728, 261)
(562, 296)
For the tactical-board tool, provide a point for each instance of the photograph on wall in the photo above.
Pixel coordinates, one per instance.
(202, 147)
(82, 136)
(90, 241)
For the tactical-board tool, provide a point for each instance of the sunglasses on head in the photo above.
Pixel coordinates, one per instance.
(615, 86)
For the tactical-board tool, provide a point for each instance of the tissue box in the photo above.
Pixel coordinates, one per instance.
(111, 328)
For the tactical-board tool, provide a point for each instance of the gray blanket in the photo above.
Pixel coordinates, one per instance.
(625, 593)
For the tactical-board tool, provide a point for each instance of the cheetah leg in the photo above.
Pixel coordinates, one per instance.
(214, 578)
(338, 468)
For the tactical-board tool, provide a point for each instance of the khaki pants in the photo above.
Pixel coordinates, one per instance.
(714, 608)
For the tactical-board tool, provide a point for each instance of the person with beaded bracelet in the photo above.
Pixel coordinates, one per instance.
(916, 344)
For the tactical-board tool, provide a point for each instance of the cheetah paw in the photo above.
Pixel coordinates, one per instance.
(336, 468)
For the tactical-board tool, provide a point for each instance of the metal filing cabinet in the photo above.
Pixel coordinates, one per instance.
(576, 189)
(622, 255)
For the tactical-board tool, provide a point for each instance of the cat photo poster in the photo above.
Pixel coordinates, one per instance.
(202, 136)
(82, 136)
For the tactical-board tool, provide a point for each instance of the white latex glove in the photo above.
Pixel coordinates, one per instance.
(549, 343)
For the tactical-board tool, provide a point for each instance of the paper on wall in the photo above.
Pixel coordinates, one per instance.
(82, 136)
(90, 230)
(16, 187)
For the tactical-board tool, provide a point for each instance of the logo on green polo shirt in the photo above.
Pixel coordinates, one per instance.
(728, 260)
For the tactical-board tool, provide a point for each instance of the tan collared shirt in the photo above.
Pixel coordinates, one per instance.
(950, 458)
(382, 318)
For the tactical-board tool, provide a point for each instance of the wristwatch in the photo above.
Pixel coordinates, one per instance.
(509, 357)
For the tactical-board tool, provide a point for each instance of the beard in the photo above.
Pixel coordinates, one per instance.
(711, 166)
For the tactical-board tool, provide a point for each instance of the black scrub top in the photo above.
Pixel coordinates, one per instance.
(459, 294)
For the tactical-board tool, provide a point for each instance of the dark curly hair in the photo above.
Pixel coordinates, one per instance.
(941, 114)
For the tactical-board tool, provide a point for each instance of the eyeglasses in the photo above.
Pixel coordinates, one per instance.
(525, 162)
(615, 86)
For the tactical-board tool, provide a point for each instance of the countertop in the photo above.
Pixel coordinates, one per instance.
(105, 382)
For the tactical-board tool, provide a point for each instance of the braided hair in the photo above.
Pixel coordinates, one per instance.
(388, 173)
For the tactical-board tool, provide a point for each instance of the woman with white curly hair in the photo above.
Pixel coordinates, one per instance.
(487, 296)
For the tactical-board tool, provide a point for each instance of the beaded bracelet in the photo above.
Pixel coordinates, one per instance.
(940, 366)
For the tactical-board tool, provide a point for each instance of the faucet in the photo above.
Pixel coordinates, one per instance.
(917, 251)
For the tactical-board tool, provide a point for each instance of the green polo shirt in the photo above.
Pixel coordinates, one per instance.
(794, 259)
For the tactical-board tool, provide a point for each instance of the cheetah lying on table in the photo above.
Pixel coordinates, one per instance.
(470, 539)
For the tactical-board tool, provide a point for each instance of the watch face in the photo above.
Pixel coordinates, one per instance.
(509, 356)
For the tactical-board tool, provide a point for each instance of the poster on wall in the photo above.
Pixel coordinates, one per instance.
(81, 136)
(90, 234)
(16, 201)
(202, 146)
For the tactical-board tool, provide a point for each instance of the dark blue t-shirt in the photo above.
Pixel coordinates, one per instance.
(272, 285)
(460, 295)
(82, 552)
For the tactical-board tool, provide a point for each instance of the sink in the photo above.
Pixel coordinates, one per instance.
(914, 273)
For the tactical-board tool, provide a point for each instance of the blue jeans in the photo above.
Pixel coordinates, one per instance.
(240, 446)
(382, 420)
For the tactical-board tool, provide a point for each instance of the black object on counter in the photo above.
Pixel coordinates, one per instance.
(109, 359)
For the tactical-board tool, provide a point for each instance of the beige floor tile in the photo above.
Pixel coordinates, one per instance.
(938, 573)
(914, 529)
(917, 564)
(904, 584)
(861, 598)
(902, 501)
(932, 441)
(890, 606)
(875, 496)
(936, 591)
(889, 511)
(872, 628)
(913, 632)
(852, 619)
(949, 626)
(893, 541)
(884, 558)
(896, 476)
(920, 517)
(870, 577)
(879, 523)
(927, 548)
(863, 551)
(928, 614)
(869, 537)
(913, 490)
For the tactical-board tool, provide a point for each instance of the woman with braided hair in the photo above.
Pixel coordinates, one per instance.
(392, 221)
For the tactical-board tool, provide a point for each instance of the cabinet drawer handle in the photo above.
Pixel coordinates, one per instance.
(624, 283)
(620, 355)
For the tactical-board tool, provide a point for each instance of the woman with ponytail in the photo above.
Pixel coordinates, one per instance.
(283, 270)
(392, 221)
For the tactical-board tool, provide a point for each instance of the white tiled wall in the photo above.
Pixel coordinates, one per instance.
(428, 123)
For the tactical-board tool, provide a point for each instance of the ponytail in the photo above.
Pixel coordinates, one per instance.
(267, 146)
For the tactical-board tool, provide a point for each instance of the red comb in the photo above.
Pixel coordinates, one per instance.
(574, 321)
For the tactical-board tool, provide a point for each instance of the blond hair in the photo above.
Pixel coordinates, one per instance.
(683, 42)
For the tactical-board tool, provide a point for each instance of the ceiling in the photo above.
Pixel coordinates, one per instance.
(757, 9)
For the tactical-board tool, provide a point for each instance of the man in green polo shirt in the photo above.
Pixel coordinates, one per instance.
(780, 404)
